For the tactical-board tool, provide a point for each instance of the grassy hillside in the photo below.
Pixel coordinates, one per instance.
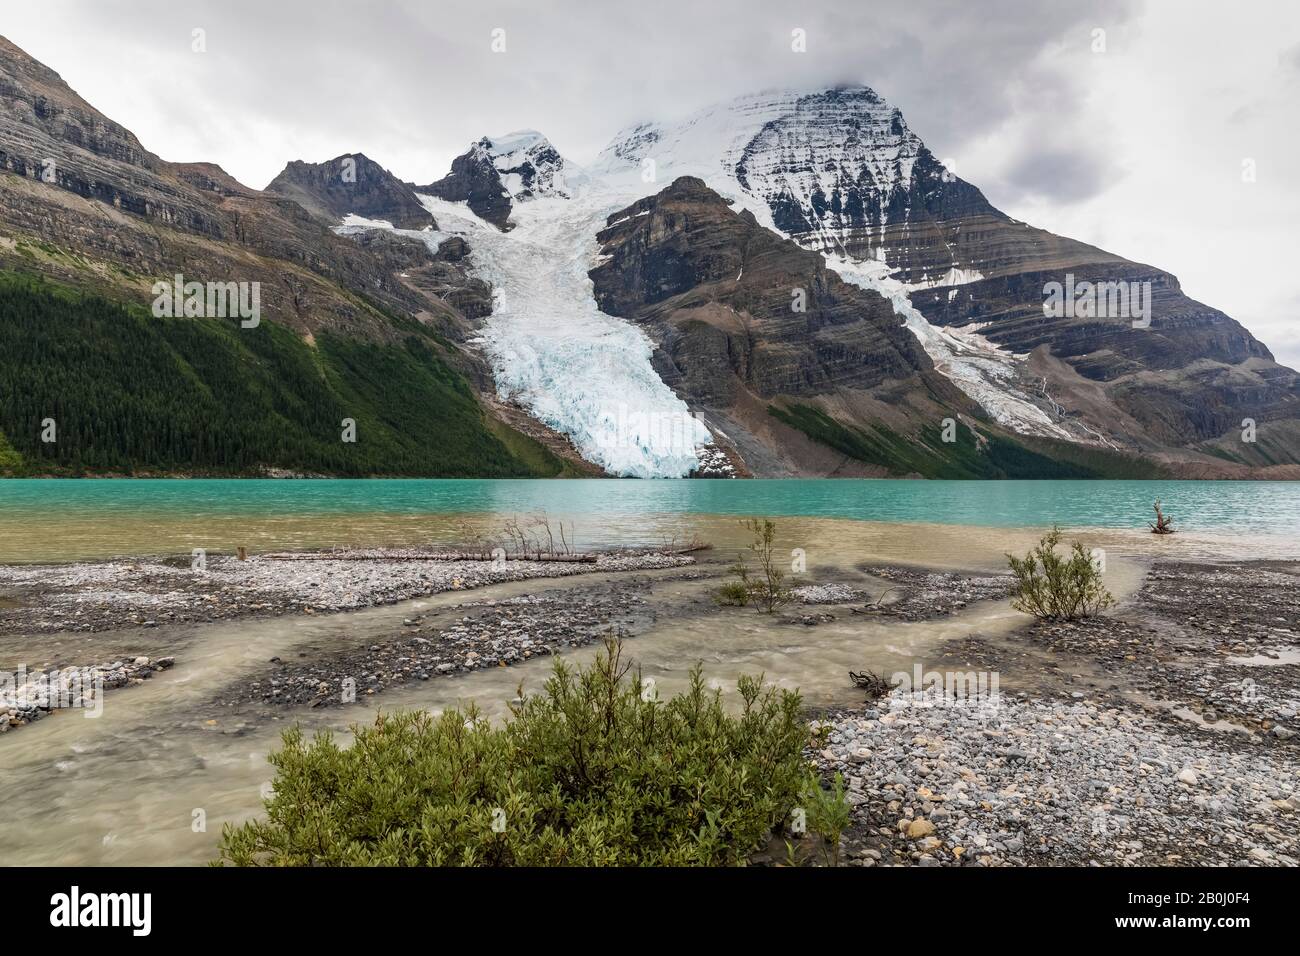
(131, 393)
(989, 455)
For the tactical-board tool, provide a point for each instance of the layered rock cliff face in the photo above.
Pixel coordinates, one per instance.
(1191, 376)
(744, 318)
(794, 327)
(52, 136)
(103, 210)
(351, 184)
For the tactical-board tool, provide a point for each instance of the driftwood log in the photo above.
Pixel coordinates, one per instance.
(692, 549)
(875, 685)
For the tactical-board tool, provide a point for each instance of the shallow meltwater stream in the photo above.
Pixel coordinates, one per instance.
(153, 779)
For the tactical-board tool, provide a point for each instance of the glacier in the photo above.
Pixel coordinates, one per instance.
(582, 372)
(585, 374)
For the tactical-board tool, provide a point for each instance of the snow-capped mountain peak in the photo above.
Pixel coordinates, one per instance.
(497, 173)
(529, 166)
(836, 169)
(843, 148)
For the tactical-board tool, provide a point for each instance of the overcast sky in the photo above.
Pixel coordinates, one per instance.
(1132, 139)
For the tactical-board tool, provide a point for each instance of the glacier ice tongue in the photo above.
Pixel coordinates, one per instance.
(582, 372)
(586, 374)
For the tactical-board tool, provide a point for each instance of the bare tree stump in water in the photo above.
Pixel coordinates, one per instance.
(1164, 523)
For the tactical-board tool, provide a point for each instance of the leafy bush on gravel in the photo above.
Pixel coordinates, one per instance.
(828, 814)
(768, 591)
(593, 771)
(1058, 587)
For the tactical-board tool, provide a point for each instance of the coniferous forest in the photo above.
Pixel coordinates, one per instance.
(130, 393)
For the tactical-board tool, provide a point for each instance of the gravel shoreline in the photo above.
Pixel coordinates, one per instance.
(1054, 783)
(920, 594)
(1162, 733)
(27, 697)
(108, 596)
(103, 596)
(456, 640)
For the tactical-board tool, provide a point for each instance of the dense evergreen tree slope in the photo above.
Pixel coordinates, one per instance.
(130, 393)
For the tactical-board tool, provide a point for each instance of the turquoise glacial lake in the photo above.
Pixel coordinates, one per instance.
(63, 518)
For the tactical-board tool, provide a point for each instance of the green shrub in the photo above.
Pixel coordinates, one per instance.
(592, 772)
(735, 593)
(768, 590)
(1056, 587)
(828, 813)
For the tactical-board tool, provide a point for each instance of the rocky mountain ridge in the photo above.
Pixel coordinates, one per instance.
(351, 184)
(99, 219)
(84, 186)
(801, 371)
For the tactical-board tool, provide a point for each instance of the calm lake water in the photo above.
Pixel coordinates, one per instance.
(51, 519)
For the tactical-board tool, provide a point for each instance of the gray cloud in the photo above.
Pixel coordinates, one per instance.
(1290, 60)
(412, 82)
(1058, 173)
